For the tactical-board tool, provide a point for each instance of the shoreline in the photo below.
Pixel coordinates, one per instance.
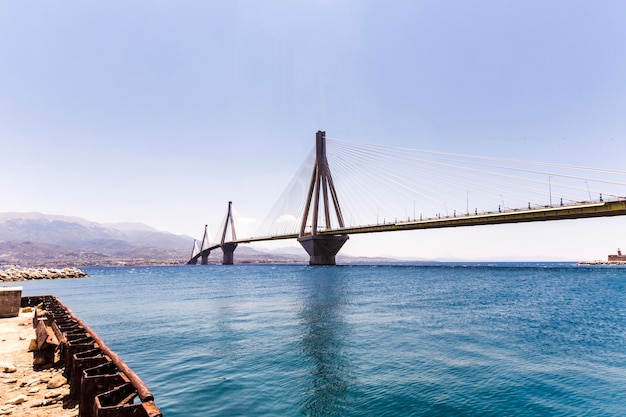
(53, 364)
(24, 390)
(599, 262)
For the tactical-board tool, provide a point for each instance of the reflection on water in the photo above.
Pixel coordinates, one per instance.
(364, 341)
(323, 343)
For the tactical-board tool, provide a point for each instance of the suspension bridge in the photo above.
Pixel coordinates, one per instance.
(346, 188)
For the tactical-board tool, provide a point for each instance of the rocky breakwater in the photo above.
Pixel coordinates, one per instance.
(24, 274)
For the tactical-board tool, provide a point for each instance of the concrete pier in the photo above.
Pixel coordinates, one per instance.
(205, 258)
(229, 253)
(10, 298)
(322, 249)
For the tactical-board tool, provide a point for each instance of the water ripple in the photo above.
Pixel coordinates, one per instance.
(447, 340)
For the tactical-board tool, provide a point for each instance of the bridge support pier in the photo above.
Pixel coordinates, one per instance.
(322, 248)
(205, 258)
(229, 253)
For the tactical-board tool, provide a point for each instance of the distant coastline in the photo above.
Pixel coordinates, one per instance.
(600, 262)
(618, 259)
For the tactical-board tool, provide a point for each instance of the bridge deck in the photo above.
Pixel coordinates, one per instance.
(578, 211)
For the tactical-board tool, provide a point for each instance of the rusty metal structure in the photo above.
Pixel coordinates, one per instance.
(100, 382)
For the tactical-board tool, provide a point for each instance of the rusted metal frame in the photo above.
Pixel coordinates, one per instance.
(142, 390)
(80, 361)
(99, 379)
(118, 402)
(74, 347)
(57, 332)
(45, 336)
(81, 340)
(91, 370)
(151, 409)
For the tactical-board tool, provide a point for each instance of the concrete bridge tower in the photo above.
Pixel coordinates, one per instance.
(193, 260)
(228, 248)
(321, 248)
(205, 246)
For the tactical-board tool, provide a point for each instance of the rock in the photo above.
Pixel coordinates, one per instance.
(8, 368)
(52, 394)
(27, 310)
(18, 400)
(14, 274)
(34, 381)
(44, 403)
(33, 390)
(6, 410)
(9, 381)
(56, 381)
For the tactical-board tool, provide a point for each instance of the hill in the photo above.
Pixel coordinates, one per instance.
(44, 240)
(36, 239)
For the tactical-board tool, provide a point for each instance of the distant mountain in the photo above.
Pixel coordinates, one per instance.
(36, 239)
(43, 239)
(81, 233)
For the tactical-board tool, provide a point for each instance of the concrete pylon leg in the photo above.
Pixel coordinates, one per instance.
(322, 249)
(205, 258)
(229, 253)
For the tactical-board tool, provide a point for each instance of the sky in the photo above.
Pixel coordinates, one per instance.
(161, 112)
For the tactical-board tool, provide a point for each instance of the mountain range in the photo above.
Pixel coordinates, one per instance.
(36, 239)
(44, 240)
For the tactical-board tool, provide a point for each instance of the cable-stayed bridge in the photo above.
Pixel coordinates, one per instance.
(346, 188)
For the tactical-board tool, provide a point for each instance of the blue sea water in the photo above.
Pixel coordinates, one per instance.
(387, 340)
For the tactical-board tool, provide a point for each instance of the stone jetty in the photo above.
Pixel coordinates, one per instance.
(24, 274)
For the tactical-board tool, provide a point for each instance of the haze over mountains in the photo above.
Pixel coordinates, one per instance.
(41, 239)
(44, 240)
(80, 233)
(36, 239)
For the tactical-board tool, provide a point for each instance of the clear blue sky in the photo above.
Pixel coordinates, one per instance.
(161, 112)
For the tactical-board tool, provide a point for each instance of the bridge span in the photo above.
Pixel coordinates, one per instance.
(322, 240)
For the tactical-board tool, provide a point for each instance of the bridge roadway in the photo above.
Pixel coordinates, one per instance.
(575, 211)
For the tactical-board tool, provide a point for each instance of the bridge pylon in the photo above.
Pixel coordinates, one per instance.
(204, 247)
(228, 248)
(322, 249)
(193, 260)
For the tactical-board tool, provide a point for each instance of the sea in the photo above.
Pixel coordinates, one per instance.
(425, 339)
